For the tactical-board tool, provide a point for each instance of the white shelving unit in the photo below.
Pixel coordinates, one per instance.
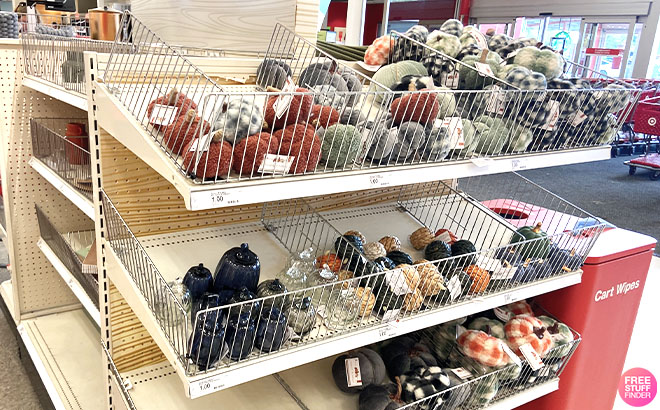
(57, 92)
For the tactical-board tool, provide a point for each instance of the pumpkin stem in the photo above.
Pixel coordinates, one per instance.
(554, 329)
(537, 228)
(217, 136)
(172, 97)
(565, 268)
(399, 389)
(411, 86)
(483, 56)
(190, 115)
(539, 332)
(572, 252)
(526, 264)
(506, 264)
(272, 89)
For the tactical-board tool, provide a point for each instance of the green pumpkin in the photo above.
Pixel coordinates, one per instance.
(537, 249)
(458, 284)
(492, 327)
(561, 335)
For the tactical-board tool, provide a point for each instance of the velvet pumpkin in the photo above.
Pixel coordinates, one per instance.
(522, 330)
(372, 370)
(404, 354)
(538, 248)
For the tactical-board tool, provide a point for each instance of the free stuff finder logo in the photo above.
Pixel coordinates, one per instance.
(637, 387)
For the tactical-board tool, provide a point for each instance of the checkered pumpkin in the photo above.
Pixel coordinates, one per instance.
(405, 48)
(520, 308)
(378, 52)
(483, 348)
(436, 65)
(498, 41)
(453, 27)
(571, 100)
(525, 79)
(424, 382)
(469, 50)
(521, 330)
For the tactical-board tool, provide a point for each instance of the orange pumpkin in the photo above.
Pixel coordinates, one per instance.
(480, 278)
(333, 261)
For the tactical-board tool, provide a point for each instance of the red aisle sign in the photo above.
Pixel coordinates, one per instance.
(603, 51)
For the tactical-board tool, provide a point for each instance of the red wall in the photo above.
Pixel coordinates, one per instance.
(413, 10)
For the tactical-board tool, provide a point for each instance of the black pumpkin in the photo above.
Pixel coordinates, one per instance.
(385, 299)
(372, 370)
(463, 247)
(437, 250)
(458, 284)
(383, 397)
(386, 262)
(343, 245)
(400, 258)
(405, 354)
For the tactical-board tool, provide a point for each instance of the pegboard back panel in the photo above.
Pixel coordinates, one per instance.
(38, 286)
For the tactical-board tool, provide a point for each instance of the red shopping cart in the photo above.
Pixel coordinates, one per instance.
(647, 121)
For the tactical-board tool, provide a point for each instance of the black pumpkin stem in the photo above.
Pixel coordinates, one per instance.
(539, 332)
(554, 329)
(488, 330)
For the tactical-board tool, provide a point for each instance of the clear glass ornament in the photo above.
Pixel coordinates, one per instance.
(323, 276)
(167, 310)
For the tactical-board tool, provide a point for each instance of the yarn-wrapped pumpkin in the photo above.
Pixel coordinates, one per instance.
(374, 250)
(492, 135)
(522, 330)
(445, 43)
(273, 73)
(298, 110)
(471, 78)
(183, 130)
(391, 74)
(421, 237)
(546, 62)
(250, 152)
(340, 146)
(483, 348)
(431, 282)
(419, 107)
(379, 51)
(213, 164)
(240, 119)
(453, 27)
(174, 98)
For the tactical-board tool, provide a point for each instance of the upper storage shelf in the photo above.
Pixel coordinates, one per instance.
(303, 123)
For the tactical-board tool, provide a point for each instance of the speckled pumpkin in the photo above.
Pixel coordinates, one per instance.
(240, 119)
(340, 146)
(480, 278)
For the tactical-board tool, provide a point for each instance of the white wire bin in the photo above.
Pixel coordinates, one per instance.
(362, 293)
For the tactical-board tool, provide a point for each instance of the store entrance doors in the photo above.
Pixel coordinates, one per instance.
(606, 46)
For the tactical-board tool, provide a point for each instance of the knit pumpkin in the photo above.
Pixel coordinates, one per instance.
(184, 130)
(546, 62)
(340, 146)
(297, 111)
(391, 74)
(453, 27)
(174, 98)
(561, 335)
(391, 243)
(378, 52)
(421, 237)
(374, 250)
(273, 73)
(431, 282)
(322, 73)
(383, 138)
(443, 42)
(522, 330)
(323, 116)
(240, 119)
(213, 164)
(250, 152)
(437, 143)
(483, 348)
(419, 107)
(492, 135)
(480, 278)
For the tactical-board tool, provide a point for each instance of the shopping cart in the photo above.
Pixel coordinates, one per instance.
(647, 121)
(628, 142)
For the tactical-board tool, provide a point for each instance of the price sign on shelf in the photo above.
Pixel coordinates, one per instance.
(216, 199)
(518, 164)
(510, 298)
(206, 386)
(379, 180)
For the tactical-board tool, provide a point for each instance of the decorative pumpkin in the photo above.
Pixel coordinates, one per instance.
(367, 301)
(525, 271)
(470, 78)
(384, 397)
(412, 302)
(453, 27)
(372, 370)
(521, 330)
(298, 111)
(323, 116)
(404, 354)
(463, 247)
(488, 388)
(383, 138)
(322, 73)
(273, 73)
(437, 250)
(250, 152)
(519, 139)
(497, 41)
(378, 52)
(386, 262)
(351, 116)
(445, 43)
(425, 382)
(560, 261)
(391, 74)
(359, 234)
(383, 287)
(483, 348)
(431, 282)
(516, 44)
(374, 250)
(538, 248)
(340, 146)
(492, 135)
(213, 164)
(446, 235)
(413, 83)
(333, 261)
(421, 237)
(328, 95)
(391, 243)
(480, 278)
(439, 66)
(271, 329)
(520, 308)
(400, 257)
(410, 137)
(186, 128)
(273, 287)
(420, 107)
(174, 98)
(410, 274)
(240, 119)
(546, 62)
(491, 327)
(409, 47)
(458, 284)
(300, 142)
(561, 335)
(524, 79)
(444, 340)
(437, 144)
(347, 245)
(292, 134)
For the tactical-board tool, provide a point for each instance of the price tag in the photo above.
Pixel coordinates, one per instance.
(201, 144)
(462, 373)
(484, 69)
(450, 80)
(163, 115)
(206, 386)
(369, 67)
(454, 286)
(532, 358)
(577, 118)
(518, 164)
(482, 162)
(276, 164)
(454, 126)
(283, 102)
(490, 264)
(445, 237)
(514, 358)
(503, 272)
(396, 280)
(495, 103)
(477, 35)
(553, 116)
(353, 374)
(512, 54)
(502, 314)
(391, 315)
(510, 298)
(379, 180)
